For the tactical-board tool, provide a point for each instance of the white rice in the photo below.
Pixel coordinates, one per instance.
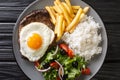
(85, 39)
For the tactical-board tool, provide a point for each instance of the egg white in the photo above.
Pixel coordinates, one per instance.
(47, 37)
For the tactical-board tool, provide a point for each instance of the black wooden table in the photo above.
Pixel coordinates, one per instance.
(109, 10)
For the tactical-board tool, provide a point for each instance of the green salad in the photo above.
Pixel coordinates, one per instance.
(60, 63)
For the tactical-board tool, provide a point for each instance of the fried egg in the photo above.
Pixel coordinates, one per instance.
(35, 39)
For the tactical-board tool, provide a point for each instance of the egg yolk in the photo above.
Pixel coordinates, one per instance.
(34, 41)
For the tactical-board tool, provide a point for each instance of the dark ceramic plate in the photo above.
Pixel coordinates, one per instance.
(28, 67)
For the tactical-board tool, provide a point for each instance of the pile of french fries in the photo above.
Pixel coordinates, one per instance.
(65, 16)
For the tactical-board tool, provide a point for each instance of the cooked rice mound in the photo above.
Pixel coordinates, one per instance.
(85, 39)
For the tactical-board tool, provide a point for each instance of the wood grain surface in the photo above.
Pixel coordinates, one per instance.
(109, 10)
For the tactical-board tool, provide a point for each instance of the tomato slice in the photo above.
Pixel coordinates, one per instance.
(58, 78)
(64, 47)
(70, 53)
(54, 65)
(86, 71)
(67, 49)
(36, 63)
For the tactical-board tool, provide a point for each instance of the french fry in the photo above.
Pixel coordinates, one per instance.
(73, 28)
(75, 20)
(56, 8)
(68, 2)
(80, 18)
(66, 6)
(75, 11)
(53, 11)
(51, 14)
(69, 5)
(86, 9)
(58, 27)
(68, 9)
(75, 7)
(60, 18)
(56, 30)
(63, 26)
(64, 11)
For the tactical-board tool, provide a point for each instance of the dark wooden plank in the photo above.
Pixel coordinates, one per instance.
(6, 35)
(6, 52)
(109, 71)
(109, 10)
(10, 71)
(113, 32)
(11, 9)
(15, 3)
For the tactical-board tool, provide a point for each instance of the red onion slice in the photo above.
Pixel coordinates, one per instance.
(60, 71)
(56, 50)
(43, 70)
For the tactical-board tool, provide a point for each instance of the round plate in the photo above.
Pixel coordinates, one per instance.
(28, 67)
